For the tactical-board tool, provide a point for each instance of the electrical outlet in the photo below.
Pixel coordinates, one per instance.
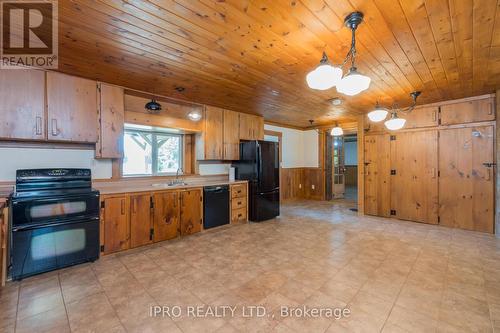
(300, 185)
(312, 186)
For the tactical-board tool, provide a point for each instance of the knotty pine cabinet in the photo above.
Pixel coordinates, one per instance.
(191, 211)
(251, 127)
(111, 115)
(231, 138)
(71, 108)
(116, 224)
(468, 111)
(22, 104)
(141, 220)
(209, 143)
(166, 215)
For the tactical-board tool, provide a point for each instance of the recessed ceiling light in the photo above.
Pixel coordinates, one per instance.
(336, 101)
(275, 92)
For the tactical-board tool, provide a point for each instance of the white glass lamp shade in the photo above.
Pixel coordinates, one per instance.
(194, 115)
(337, 131)
(353, 83)
(395, 123)
(324, 77)
(377, 115)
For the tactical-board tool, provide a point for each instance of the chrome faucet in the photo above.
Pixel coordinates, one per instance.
(179, 180)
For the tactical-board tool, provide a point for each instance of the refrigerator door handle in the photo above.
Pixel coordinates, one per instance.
(259, 162)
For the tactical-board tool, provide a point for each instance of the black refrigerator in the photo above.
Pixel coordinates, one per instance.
(259, 164)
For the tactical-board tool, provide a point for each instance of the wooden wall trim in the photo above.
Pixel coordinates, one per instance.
(361, 165)
(497, 152)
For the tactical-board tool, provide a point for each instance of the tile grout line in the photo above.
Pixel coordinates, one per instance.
(107, 298)
(402, 286)
(145, 290)
(64, 302)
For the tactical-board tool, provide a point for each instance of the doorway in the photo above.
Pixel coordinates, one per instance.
(351, 167)
(341, 167)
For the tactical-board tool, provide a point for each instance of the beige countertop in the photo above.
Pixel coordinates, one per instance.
(129, 186)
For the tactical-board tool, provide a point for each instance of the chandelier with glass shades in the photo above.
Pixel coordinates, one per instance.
(327, 76)
(394, 123)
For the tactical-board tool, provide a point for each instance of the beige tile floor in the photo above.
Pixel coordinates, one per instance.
(393, 276)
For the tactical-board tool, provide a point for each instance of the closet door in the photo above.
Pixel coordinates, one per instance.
(377, 175)
(466, 183)
(414, 176)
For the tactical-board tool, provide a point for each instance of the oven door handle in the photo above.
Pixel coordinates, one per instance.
(56, 224)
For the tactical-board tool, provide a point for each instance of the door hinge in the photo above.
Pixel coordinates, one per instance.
(439, 219)
(201, 221)
(439, 117)
(151, 203)
(103, 204)
(201, 199)
(439, 173)
(102, 248)
(393, 212)
(151, 233)
(393, 138)
(393, 172)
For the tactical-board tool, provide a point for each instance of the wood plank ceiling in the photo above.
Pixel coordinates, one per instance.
(253, 56)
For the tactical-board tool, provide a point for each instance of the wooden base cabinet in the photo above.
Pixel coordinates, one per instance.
(141, 220)
(239, 203)
(116, 224)
(191, 214)
(166, 215)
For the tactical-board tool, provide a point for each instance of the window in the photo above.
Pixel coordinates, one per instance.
(151, 153)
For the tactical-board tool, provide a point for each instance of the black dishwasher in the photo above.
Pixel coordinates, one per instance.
(215, 206)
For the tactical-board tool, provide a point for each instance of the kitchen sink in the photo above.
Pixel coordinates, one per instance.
(170, 184)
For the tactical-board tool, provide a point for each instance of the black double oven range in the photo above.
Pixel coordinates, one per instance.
(54, 221)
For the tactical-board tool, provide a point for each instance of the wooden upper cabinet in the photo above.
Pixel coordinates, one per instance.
(231, 135)
(116, 224)
(166, 215)
(111, 113)
(191, 211)
(426, 116)
(22, 104)
(141, 222)
(209, 143)
(468, 111)
(251, 127)
(72, 108)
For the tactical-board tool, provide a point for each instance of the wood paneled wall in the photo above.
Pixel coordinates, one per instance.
(298, 183)
(441, 173)
(497, 152)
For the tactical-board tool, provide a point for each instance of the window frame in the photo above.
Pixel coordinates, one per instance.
(154, 152)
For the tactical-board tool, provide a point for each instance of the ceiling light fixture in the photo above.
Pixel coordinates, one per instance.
(194, 115)
(153, 106)
(378, 114)
(336, 101)
(337, 130)
(326, 75)
(394, 123)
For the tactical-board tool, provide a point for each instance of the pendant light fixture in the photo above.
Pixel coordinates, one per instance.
(326, 75)
(153, 106)
(378, 114)
(395, 123)
(337, 130)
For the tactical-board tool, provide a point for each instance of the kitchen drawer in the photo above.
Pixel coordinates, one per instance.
(238, 191)
(237, 203)
(239, 215)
